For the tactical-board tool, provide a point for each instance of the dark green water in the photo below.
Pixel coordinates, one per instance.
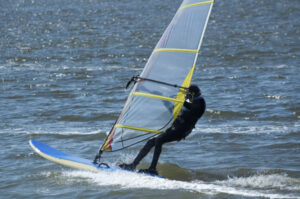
(63, 68)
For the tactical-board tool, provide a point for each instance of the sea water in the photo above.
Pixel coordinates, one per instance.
(63, 69)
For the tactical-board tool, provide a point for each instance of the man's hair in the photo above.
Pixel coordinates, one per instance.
(194, 89)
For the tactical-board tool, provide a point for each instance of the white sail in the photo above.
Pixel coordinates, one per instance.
(151, 107)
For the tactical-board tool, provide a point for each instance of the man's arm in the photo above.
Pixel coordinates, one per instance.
(196, 104)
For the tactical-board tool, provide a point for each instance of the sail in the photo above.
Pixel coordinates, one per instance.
(151, 107)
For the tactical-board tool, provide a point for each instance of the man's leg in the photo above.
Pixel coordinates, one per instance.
(156, 154)
(145, 150)
(168, 136)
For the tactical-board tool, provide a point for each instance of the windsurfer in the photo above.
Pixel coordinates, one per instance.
(193, 109)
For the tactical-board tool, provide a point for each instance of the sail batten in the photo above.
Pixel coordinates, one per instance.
(160, 97)
(176, 50)
(196, 4)
(151, 108)
(137, 128)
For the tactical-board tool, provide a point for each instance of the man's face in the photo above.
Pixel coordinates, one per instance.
(190, 96)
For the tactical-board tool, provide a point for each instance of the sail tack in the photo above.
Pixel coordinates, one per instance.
(151, 107)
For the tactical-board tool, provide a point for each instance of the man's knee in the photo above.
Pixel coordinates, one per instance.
(168, 136)
(151, 142)
(159, 141)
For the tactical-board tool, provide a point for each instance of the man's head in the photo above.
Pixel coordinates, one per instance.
(194, 90)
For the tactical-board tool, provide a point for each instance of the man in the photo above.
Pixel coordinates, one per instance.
(193, 109)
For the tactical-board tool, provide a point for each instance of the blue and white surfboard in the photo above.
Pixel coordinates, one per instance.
(68, 160)
(71, 161)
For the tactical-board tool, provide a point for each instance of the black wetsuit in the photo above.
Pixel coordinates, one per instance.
(181, 127)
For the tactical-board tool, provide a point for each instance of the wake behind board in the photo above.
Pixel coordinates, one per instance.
(68, 160)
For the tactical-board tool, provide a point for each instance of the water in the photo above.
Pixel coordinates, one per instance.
(64, 65)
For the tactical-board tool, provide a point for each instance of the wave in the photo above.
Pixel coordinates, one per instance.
(64, 69)
(68, 132)
(79, 118)
(226, 114)
(254, 186)
(247, 129)
(260, 181)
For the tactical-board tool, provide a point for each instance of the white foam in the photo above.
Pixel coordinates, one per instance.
(130, 180)
(263, 129)
(277, 97)
(49, 132)
(271, 181)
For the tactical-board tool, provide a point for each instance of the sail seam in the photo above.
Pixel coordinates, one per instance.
(176, 50)
(157, 97)
(137, 128)
(196, 4)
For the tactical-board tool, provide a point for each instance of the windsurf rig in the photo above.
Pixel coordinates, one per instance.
(159, 92)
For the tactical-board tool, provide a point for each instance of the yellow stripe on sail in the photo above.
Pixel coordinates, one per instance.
(176, 50)
(196, 4)
(181, 94)
(137, 128)
(157, 97)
